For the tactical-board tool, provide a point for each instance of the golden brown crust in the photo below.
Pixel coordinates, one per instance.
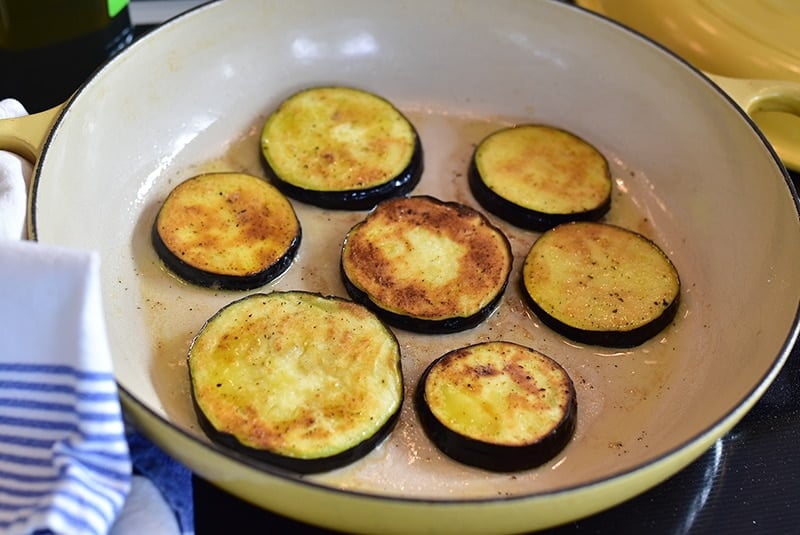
(497, 405)
(545, 169)
(296, 374)
(511, 380)
(600, 278)
(228, 224)
(427, 259)
(337, 139)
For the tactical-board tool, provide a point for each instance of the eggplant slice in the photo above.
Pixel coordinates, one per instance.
(426, 265)
(601, 284)
(296, 379)
(498, 405)
(538, 176)
(341, 148)
(230, 231)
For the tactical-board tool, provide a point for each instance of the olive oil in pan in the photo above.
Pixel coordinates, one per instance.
(622, 394)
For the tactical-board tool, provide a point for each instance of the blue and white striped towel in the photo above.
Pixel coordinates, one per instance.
(64, 462)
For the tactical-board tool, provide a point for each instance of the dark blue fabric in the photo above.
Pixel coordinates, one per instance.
(170, 477)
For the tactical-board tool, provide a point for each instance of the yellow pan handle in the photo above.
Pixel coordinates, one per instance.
(755, 96)
(26, 135)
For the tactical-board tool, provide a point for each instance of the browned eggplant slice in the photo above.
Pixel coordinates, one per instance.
(538, 176)
(299, 380)
(426, 265)
(341, 148)
(231, 231)
(497, 405)
(601, 284)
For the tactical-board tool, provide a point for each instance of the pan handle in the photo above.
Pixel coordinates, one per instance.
(755, 96)
(26, 135)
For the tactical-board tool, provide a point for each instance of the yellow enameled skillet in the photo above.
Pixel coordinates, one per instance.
(690, 171)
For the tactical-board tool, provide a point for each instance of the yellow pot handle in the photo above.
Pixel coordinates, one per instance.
(755, 96)
(26, 135)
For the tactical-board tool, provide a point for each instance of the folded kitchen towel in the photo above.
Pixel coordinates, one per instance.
(64, 460)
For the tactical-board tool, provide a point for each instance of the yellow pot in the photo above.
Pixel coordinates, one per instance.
(751, 48)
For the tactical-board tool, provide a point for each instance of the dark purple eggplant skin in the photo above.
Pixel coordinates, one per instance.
(422, 325)
(619, 339)
(220, 281)
(524, 217)
(494, 457)
(292, 464)
(355, 199)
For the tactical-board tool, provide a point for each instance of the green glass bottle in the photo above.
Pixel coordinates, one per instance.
(48, 48)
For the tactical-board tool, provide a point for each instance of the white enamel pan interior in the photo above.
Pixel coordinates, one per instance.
(690, 171)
